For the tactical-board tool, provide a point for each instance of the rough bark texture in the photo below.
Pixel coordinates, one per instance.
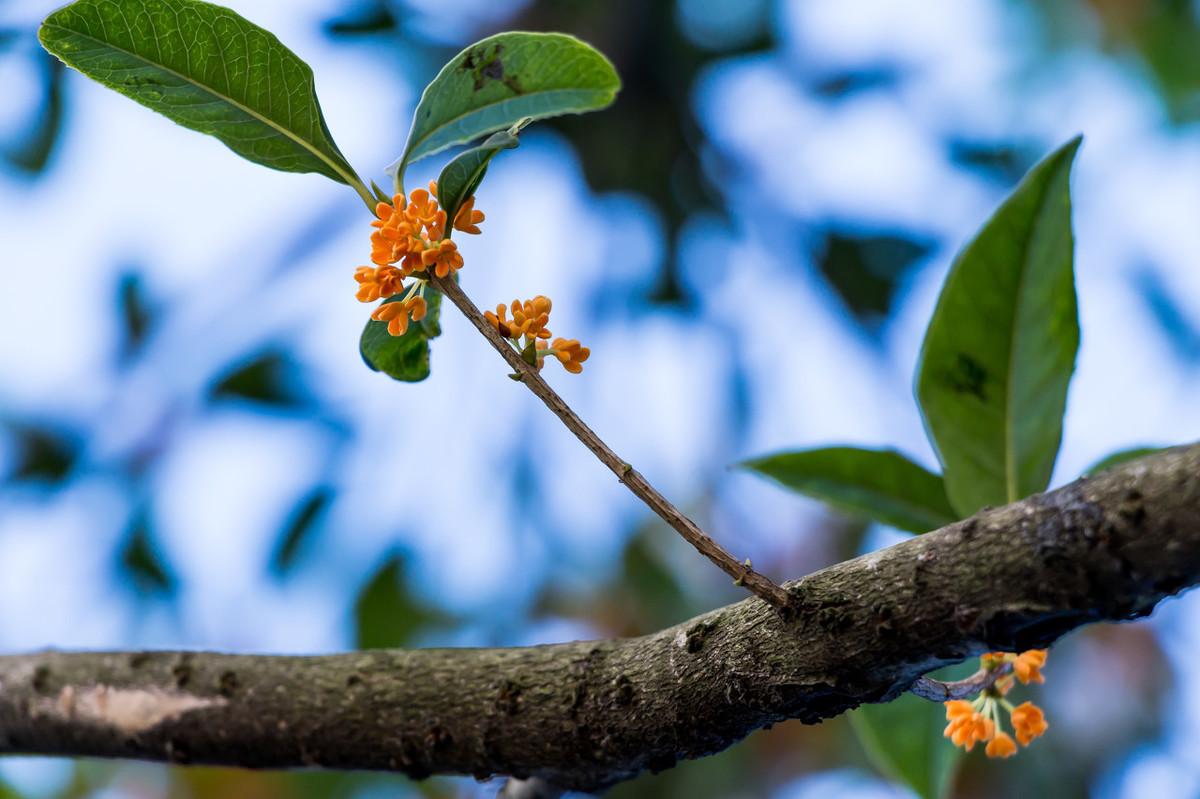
(587, 714)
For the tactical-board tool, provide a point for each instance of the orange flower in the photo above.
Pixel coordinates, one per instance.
(467, 219)
(1001, 746)
(422, 208)
(396, 236)
(422, 213)
(571, 354)
(499, 321)
(405, 229)
(397, 314)
(443, 257)
(967, 725)
(1027, 666)
(531, 317)
(1028, 721)
(417, 308)
(958, 708)
(378, 283)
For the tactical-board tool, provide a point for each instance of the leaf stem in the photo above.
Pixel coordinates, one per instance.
(742, 573)
(363, 192)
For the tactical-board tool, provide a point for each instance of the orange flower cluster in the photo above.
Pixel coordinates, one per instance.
(529, 320)
(977, 721)
(411, 238)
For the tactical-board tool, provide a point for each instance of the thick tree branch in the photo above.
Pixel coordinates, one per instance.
(742, 573)
(584, 715)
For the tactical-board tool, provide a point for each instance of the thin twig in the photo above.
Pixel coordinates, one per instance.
(938, 691)
(742, 573)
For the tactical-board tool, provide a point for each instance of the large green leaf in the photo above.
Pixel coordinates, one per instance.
(403, 357)
(903, 740)
(208, 69)
(879, 484)
(501, 79)
(462, 176)
(1000, 348)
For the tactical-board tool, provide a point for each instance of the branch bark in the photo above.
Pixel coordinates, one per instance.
(585, 715)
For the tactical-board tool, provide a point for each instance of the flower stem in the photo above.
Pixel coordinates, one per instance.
(741, 572)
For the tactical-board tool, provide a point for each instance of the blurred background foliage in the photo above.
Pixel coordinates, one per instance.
(750, 239)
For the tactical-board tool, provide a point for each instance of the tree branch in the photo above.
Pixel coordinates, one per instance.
(741, 572)
(584, 715)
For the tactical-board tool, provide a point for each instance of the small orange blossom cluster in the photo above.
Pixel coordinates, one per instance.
(978, 720)
(410, 238)
(529, 320)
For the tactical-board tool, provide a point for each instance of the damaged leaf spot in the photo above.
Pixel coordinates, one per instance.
(485, 64)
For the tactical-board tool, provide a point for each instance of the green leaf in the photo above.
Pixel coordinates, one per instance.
(903, 740)
(1000, 348)
(499, 80)
(1120, 457)
(462, 176)
(403, 357)
(880, 484)
(208, 69)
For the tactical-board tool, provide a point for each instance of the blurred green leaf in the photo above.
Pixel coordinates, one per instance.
(866, 268)
(1000, 348)
(135, 312)
(1120, 457)
(371, 17)
(462, 176)
(404, 357)
(141, 562)
(43, 454)
(207, 69)
(299, 529)
(653, 591)
(1169, 309)
(903, 740)
(1002, 161)
(32, 153)
(386, 614)
(499, 80)
(880, 484)
(266, 378)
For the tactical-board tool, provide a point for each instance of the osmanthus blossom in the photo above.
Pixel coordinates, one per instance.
(411, 240)
(980, 720)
